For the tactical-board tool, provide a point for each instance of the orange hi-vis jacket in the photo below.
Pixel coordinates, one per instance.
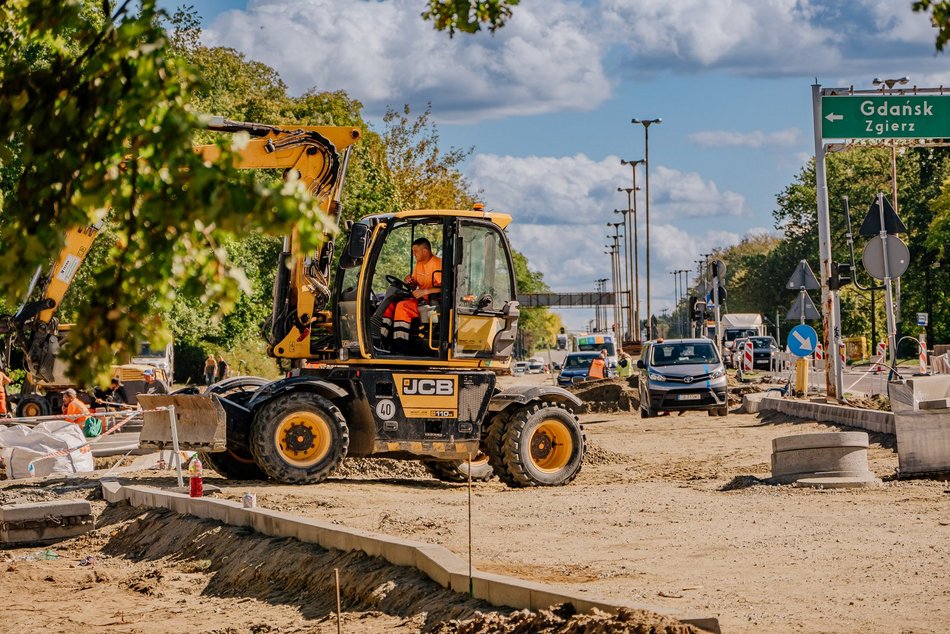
(598, 369)
(77, 412)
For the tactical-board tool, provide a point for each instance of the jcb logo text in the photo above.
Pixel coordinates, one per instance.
(427, 387)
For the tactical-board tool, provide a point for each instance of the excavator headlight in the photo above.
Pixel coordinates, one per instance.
(344, 354)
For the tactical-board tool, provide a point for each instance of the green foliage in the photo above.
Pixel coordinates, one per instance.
(95, 123)
(424, 176)
(939, 17)
(468, 16)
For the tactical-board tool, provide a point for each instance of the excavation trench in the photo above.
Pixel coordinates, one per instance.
(239, 564)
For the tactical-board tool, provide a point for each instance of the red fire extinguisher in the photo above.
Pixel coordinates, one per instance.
(194, 478)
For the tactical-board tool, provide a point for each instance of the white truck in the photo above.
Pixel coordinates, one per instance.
(736, 325)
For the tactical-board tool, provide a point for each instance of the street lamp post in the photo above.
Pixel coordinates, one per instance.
(612, 252)
(635, 240)
(627, 282)
(676, 298)
(620, 268)
(646, 123)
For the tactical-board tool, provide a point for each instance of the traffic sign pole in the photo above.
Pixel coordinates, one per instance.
(830, 320)
(891, 330)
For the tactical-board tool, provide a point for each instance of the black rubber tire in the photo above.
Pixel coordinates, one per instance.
(457, 470)
(723, 411)
(645, 412)
(517, 449)
(33, 405)
(268, 455)
(238, 383)
(494, 443)
(234, 464)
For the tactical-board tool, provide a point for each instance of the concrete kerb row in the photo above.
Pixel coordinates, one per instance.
(437, 563)
(870, 420)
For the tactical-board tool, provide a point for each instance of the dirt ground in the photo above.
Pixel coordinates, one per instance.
(666, 511)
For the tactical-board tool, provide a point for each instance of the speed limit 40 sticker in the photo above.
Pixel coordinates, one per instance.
(385, 409)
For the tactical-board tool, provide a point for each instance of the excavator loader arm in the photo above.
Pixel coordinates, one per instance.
(302, 284)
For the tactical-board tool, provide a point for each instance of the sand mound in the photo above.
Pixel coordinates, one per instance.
(607, 395)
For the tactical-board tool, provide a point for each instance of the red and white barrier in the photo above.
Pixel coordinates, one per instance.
(819, 352)
(748, 359)
(843, 353)
(881, 353)
(922, 359)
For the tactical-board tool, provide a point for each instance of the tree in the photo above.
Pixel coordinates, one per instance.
(939, 17)
(468, 16)
(95, 124)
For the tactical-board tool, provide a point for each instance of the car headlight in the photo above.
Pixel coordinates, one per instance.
(717, 373)
(656, 377)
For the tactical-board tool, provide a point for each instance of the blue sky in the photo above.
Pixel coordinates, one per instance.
(547, 102)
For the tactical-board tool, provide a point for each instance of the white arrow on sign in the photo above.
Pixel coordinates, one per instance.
(834, 117)
(804, 342)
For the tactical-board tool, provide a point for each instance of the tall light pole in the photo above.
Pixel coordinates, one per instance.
(600, 309)
(612, 252)
(627, 282)
(620, 285)
(676, 299)
(686, 319)
(636, 243)
(646, 123)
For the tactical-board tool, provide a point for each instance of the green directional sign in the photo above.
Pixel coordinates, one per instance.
(885, 117)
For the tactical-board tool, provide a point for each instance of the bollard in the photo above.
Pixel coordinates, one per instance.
(748, 359)
(881, 353)
(801, 376)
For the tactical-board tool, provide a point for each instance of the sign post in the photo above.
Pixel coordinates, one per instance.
(831, 321)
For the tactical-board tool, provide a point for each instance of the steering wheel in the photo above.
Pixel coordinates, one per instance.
(398, 283)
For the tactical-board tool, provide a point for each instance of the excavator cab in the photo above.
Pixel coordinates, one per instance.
(473, 318)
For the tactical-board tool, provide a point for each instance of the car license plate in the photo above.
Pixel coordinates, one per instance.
(688, 397)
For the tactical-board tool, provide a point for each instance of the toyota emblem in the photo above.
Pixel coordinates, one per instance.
(687, 379)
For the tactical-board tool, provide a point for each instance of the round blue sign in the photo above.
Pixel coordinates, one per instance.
(802, 340)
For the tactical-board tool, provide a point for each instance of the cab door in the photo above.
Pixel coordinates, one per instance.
(486, 310)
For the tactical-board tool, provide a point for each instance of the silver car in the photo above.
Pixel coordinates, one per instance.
(681, 374)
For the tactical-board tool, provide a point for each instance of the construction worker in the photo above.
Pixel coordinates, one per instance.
(624, 366)
(74, 409)
(154, 385)
(426, 280)
(598, 367)
(4, 382)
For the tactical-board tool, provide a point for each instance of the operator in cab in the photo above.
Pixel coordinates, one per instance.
(425, 281)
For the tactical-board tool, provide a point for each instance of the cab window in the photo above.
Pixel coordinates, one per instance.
(484, 278)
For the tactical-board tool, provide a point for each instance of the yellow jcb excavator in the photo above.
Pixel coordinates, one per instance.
(352, 392)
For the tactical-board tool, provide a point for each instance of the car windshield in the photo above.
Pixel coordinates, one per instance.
(579, 361)
(763, 342)
(683, 353)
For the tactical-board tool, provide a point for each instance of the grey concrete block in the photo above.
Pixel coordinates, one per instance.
(439, 564)
(274, 523)
(820, 441)
(44, 522)
(397, 551)
(112, 491)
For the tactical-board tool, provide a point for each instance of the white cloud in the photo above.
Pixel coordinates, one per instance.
(577, 190)
(754, 139)
(745, 35)
(383, 53)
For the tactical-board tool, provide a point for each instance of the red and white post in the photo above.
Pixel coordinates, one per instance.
(922, 358)
(881, 354)
(748, 359)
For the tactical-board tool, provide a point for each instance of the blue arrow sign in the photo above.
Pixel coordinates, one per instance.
(802, 340)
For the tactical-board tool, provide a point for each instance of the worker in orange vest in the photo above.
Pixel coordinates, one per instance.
(75, 410)
(426, 280)
(598, 367)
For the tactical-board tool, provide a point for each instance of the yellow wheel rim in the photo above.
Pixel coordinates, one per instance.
(31, 409)
(302, 439)
(551, 445)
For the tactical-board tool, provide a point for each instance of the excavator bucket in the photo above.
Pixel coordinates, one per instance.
(200, 421)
